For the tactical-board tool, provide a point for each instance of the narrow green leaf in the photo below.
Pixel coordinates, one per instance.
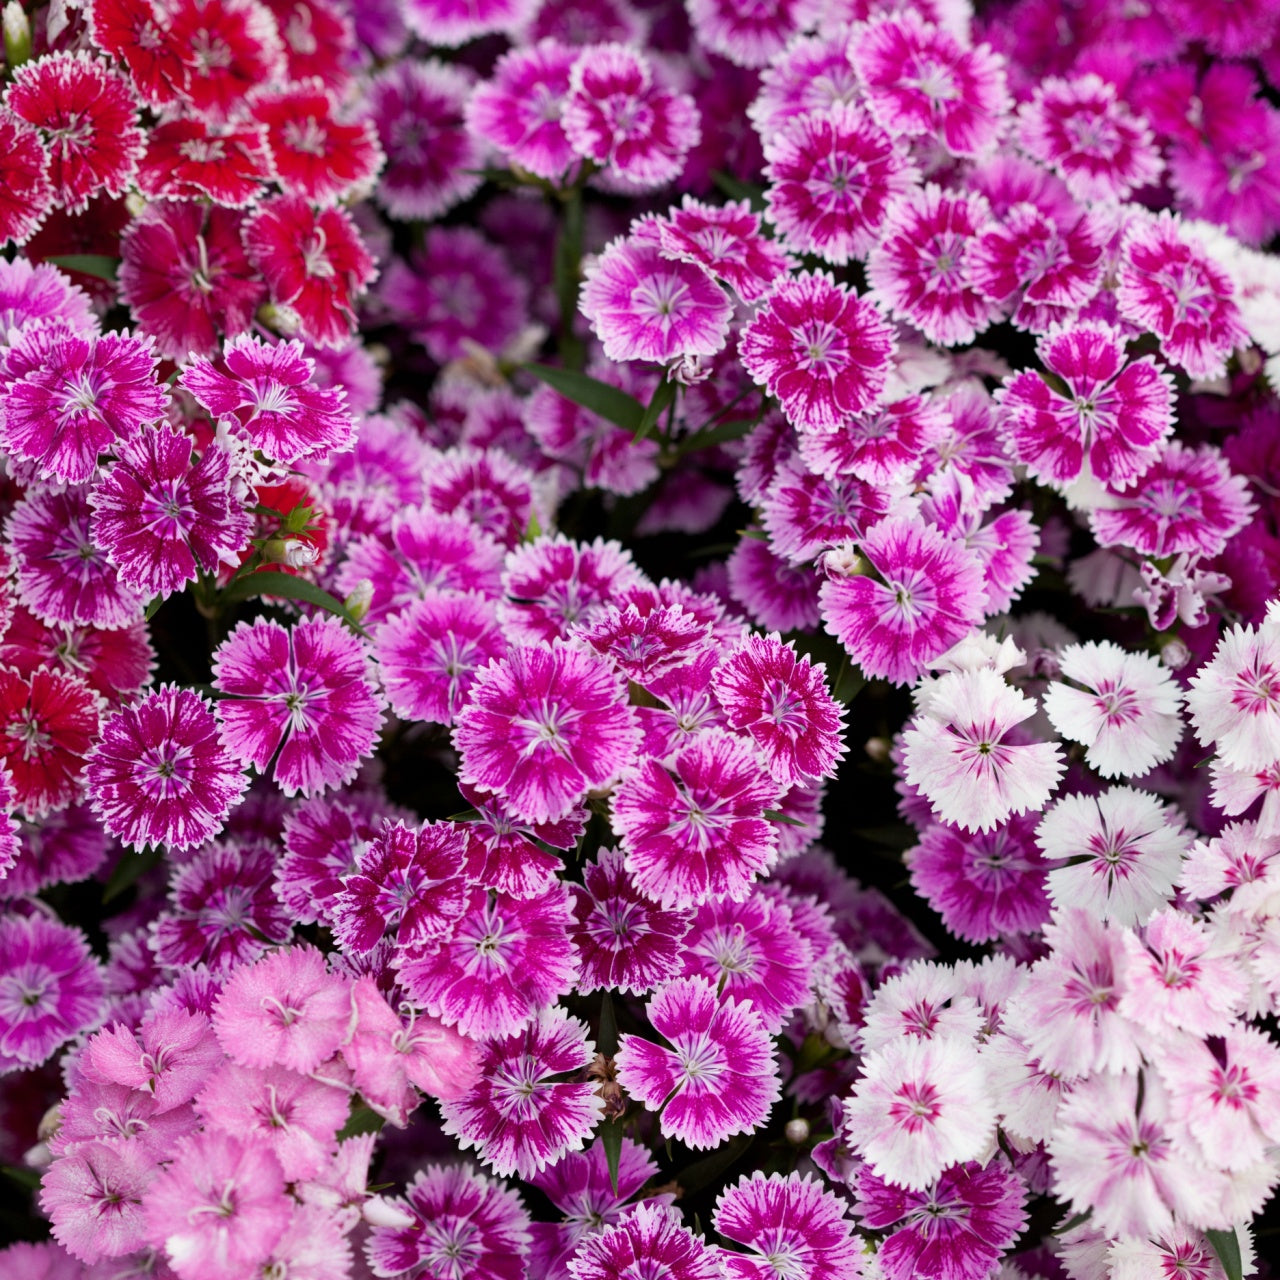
(611, 404)
(611, 1141)
(712, 436)
(607, 1041)
(1226, 1244)
(89, 264)
(1072, 1223)
(30, 1179)
(362, 1119)
(153, 608)
(776, 815)
(128, 869)
(657, 406)
(849, 683)
(271, 582)
(736, 189)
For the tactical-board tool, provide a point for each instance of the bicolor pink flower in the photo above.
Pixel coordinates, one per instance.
(727, 241)
(382, 474)
(805, 514)
(50, 989)
(820, 349)
(303, 697)
(1081, 130)
(270, 391)
(458, 1221)
(965, 754)
(315, 264)
(1234, 699)
(1189, 503)
(508, 855)
(1104, 416)
(1179, 1251)
(63, 575)
(26, 194)
(616, 116)
(452, 23)
(924, 1001)
(698, 831)
(927, 595)
(919, 1107)
(645, 306)
(718, 1079)
(1126, 712)
(624, 941)
(543, 727)
(220, 1206)
(224, 51)
(776, 594)
(983, 884)
(70, 398)
(1169, 285)
(48, 723)
(432, 158)
(505, 959)
(645, 638)
(38, 294)
(192, 159)
(746, 33)
(832, 176)
(880, 447)
(517, 111)
(812, 74)
(407, 878)
(163, 519)
(652, 1240)
(86, 113)
(919, 270)
(486, 486)
(958, 1227)
(61, 848)
(93, 1197)
(221, 910)
(159, 775)
(519, 1117)
(921, 80)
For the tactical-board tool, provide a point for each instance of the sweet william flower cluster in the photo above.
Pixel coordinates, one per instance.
(639, 639)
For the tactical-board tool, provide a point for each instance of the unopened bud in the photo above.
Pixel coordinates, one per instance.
(292, 552)
(797, 1131)
(380, 1212)
(17, 35)
(361, 597)
(1175, 655)
(877, 749)
(843, 562)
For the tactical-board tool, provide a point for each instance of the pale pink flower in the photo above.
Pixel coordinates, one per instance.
(1234, 699)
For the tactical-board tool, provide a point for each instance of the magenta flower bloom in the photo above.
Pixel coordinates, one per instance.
(624, 941)
(219, 1207)
(307, 693)
(791, 1225)
(543, 727)
(38, 293)
(505, 959)
(93, 1197)
(518, 110)
(781, 701)
(160, 519)
(506, 854)
(1081, 130)
(644, 306)
(1169, 285)
(718, 1079)
(959, 1227)
(495, 493)
(271, 392)
(927, 595)
(832, 176)
(819, 348)
(616, 116)
(727, 241)
(519, 1116)
(881, 447)
(50, 989)
(805, 514)
(645, 638)
(159, 774)
(461, 1222)
(1107, 421)
(648, 1241)
(69, 398)
(409, 878)
(746, 33)
(26, 194)
(921, 80)
(698, 831)
(776, 594)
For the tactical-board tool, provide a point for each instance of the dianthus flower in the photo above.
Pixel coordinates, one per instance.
(87, 114)
(1126, 712)
(270, 392)
(452, 23)
(159, 775)
(649, 1240)
(920, 1106)
(459, 1221)
(224, 51)
(644, 306)
(507, 854)
(1234, 699)
(70, 398)
(39, 294)
(170, 1057)
(93, 1197)
(820, 349)
(487, 487)
(921, 80)
(26, 193)
(727, 241)
(50, 989)
(777, 594)
(505, 959)
(1168, 284)
(832, 176)
(812, 74)
(1107, 421)
(645, 640)
(303, 697)
(519, 1116)
(957, 1227)
(881, 447)
(804, 514)
(718, 1079)
(923, 1001)
(748, 34)
(543, 727)
(190, 159)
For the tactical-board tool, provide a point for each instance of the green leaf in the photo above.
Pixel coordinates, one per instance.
(712, 436)
(611, 1141)
(611, 404)
(1072, 1223)
(30, 1179)
(735, 189)
(153, 608)
(363, 1119)
(1226, 1244)
(849, 683)
(271, 582)
(89, 264)
(776, 815)
(607, 1040)
(663, 397)
(128, 869)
